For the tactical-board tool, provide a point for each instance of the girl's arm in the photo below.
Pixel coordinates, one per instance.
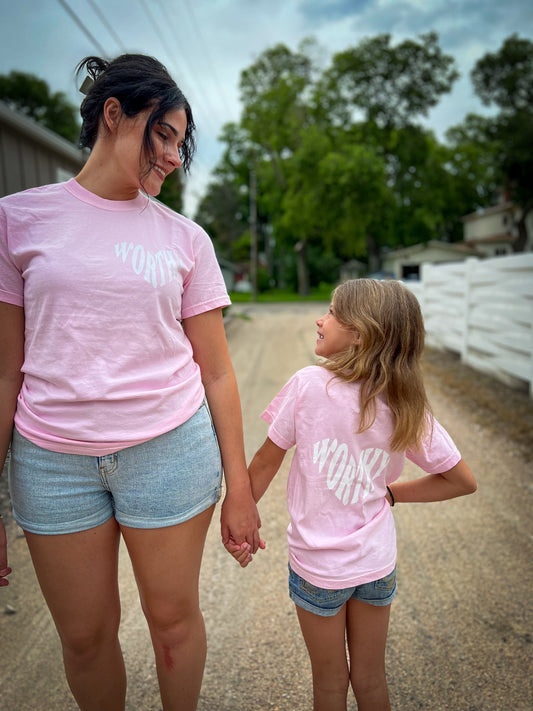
(11, 357)
(457, 481)
(263, 468)
(239, 518)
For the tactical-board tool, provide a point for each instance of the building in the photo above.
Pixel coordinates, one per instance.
(493, 230)
(405, 263)
(32, 155)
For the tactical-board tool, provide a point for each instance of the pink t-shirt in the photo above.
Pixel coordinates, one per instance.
(104, 285)
(341, 531)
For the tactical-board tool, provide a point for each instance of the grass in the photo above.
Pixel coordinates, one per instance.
(320, 293)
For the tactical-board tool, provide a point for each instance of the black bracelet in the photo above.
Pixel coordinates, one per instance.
(391, 496)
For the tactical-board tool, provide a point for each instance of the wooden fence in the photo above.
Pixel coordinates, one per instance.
(483, 310)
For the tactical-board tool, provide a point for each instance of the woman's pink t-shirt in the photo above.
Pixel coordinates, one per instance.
(104, 285)
(341, 531)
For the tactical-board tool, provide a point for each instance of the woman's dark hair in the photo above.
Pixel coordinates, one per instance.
(139, 82)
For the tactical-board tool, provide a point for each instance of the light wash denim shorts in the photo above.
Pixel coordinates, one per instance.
(158, 483)
(327, 603)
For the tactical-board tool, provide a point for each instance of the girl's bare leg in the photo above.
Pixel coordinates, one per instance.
(78, 574)
(367, 627)
(325, 638)
(166, 563)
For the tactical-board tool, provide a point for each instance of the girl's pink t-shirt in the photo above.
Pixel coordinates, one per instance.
(104, 285)
(341, 531)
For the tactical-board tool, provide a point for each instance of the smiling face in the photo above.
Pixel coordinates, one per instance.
(137, 169)
(333, 336)
(167, 137)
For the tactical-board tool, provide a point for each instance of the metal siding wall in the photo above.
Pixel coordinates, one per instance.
(25, 163)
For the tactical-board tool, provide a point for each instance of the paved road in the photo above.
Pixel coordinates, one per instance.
(461, 625)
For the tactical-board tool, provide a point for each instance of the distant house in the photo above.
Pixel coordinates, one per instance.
(492, 230)
(405, 263)
(352, 270)
(32, 155)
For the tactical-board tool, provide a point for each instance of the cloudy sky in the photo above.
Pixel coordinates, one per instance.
(207, 43)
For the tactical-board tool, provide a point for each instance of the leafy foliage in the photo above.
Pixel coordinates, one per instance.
(344, 169)
(32, 96)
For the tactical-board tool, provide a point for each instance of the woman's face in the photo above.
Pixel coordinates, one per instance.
(167, 136)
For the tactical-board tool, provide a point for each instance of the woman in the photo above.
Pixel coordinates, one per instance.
(115, 371)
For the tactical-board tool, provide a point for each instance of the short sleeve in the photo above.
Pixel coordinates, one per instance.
(11, 281)
(437, 453)
(204, 289)
(281, 415)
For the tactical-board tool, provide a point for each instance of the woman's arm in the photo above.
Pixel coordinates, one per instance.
(11, 358)
(239, 518)
(457, 481)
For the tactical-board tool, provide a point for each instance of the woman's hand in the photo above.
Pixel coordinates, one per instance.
(239, 518)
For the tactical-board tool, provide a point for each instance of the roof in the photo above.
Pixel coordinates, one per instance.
(454, 248)
(26, 126)
(491, 210)
(507, 238)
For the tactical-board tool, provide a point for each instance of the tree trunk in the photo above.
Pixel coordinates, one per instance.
(520, 242)
(374, 260)
(301, 264)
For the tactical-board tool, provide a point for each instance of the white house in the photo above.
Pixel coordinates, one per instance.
(492, 230)
(405, 263)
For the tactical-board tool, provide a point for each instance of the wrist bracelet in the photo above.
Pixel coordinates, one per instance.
(391, 496)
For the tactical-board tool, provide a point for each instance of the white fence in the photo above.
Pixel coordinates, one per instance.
(482, 309)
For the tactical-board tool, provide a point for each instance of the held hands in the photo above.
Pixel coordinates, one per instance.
(4, 568)
(243, 552)
(239, 519)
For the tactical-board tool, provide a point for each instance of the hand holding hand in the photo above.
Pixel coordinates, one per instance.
(243, 552)
(240, 520)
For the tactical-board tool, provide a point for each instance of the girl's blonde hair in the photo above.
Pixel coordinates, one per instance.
(386, 360)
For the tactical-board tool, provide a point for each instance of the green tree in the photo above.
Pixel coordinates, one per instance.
(505, 79)
(172, 191)
(32, 96)
(388, 85)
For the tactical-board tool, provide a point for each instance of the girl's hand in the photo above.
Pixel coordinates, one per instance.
(242, 553)
(4, 568)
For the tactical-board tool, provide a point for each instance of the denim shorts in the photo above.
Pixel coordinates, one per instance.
(327, 603)
(161, 482)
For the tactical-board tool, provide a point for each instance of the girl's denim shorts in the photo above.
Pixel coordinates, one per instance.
(327, 603)
(161, 482)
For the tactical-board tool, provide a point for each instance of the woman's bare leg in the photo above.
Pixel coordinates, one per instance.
(166, 562)
(78, 575)
(325, 638)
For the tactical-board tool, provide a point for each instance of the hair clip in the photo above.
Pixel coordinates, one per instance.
(86, 85)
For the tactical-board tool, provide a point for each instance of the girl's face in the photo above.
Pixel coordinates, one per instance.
(167, 136)
(333, 336)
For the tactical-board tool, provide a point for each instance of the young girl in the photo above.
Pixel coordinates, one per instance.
(353, 420)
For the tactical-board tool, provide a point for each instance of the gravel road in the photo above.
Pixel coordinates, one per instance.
(461, 625)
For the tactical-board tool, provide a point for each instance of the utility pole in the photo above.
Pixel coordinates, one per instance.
(253, 233)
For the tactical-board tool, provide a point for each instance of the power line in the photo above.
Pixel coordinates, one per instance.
(103, 20)
(207, 56)
(203, 101)
(82, 27)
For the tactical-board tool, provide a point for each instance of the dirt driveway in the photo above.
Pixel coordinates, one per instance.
(461, 625)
